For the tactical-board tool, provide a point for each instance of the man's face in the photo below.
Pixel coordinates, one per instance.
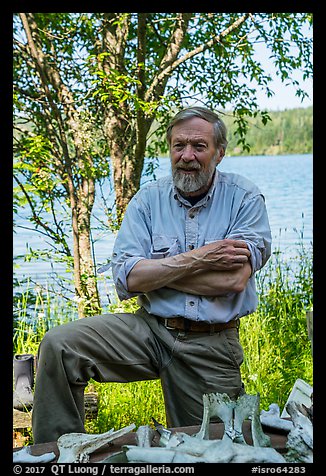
(194, 156)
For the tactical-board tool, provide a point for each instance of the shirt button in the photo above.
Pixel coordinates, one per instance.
(191, 303)
(191, 247)
(191, 215)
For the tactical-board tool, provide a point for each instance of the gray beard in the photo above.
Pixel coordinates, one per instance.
(191, 183)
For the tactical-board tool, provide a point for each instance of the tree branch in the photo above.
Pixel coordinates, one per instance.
(48, 231)
(159, 82)
(169, 66)
(115, 39)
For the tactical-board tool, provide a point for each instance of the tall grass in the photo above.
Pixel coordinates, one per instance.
(275, 337)
(35, 312)
(275, 341)
(121, 404)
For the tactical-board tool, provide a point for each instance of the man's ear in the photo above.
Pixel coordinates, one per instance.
(219, 155)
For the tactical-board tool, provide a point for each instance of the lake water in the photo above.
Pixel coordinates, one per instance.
(285, 181)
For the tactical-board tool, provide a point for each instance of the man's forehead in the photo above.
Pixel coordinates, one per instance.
(195, 129)
(184, 137)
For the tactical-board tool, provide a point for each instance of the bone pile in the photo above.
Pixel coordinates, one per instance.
(232, 448)
(179, 447)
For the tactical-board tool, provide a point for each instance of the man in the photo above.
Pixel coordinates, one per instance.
(189, 247)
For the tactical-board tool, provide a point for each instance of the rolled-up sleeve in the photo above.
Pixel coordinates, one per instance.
(120, 274)
(252, 226)
(132, 244)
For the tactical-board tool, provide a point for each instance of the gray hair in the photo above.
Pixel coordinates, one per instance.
(220, 130)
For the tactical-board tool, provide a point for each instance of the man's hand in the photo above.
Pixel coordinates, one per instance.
(223, 255)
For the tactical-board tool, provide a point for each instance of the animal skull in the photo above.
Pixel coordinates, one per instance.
(76, 447)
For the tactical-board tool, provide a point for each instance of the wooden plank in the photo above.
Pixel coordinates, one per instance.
(310, 327)
(22, 419)
(91, 405)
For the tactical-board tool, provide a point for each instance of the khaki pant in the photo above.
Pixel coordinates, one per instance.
(125, 348)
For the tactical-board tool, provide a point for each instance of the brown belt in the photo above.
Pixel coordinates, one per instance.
(182, 324)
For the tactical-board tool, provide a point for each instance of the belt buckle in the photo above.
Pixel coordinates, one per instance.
(166, 324)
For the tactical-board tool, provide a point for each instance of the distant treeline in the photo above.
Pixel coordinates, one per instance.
(289, 132)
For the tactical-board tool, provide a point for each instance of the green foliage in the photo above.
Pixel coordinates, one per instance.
(286, 132)
(222, 74)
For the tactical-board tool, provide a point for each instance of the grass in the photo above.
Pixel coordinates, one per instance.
(121, 404)
(275, 341)
(35, 312)
(275, 337)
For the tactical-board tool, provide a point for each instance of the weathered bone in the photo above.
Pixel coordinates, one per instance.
(243, 409)
(272, 419)
(197, 450)
(258, 436)
(233, 413)
(76, 447)
(25, 456)
(144, 436)
(217, 405)
(300, 438)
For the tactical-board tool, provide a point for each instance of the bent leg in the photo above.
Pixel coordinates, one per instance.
(108, 348)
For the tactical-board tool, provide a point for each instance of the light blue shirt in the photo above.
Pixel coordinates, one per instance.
(159, 222)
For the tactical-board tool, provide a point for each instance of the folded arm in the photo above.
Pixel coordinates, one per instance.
(214, 283)
(214, 269)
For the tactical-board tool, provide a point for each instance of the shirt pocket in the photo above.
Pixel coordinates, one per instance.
(164, 246)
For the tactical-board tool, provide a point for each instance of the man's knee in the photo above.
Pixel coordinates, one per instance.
(57, 339)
